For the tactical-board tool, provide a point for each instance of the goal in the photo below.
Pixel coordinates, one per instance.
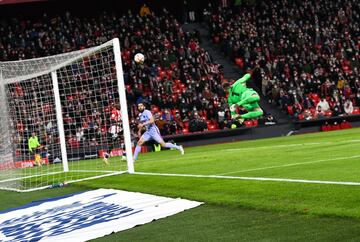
(75, 105)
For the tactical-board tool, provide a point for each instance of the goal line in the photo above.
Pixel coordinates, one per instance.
(106, 174)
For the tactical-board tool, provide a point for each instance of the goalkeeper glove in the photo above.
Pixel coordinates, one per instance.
(233, 108)
(235, 116)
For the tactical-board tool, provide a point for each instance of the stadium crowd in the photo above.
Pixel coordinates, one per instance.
(179, 80)
(304, 54)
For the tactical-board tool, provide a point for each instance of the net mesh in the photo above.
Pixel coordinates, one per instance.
(90, 112)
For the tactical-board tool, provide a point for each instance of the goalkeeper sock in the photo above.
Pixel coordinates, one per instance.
(170, 145)
(252, 115)
(137, 151)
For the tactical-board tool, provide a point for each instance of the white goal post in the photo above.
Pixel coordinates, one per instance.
(75, 104)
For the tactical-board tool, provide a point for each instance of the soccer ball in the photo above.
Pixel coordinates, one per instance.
(139, 58)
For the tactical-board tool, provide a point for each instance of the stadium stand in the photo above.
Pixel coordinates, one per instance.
(300, 52)
(179, 79)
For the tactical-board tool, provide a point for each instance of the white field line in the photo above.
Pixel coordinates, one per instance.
(277, 146)
(293, 164)
(249, 148)
(31, 176)
(252, 178)
(294, 145)
(71, 181)
(233, 149)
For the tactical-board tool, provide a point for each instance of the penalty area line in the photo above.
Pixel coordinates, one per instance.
(292, 164)
(251, 178)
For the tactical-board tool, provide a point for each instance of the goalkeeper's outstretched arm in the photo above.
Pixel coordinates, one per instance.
(242, 80)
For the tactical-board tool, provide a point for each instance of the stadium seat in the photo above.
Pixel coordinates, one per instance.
(290, 110)
(186, 124)
(313, 111)
(315, 97)
(185, 130)
(328, 113)
(172, 66)
(162, 74)
(169, 73)
(212, 127)
(356, 110)
(248, 123)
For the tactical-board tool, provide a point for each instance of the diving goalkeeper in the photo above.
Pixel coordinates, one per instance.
(241, 96)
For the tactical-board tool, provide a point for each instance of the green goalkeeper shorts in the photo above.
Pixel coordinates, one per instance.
(250, 106)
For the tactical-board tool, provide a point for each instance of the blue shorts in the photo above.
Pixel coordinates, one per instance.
(152, 134)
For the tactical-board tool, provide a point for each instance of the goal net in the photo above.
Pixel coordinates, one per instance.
(63, 119)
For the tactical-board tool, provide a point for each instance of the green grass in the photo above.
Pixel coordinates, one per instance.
(245, 210)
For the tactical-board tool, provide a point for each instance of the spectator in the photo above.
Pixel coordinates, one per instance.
(221, 118)
(144, 10)
(197, 124)
(336, 110)
(270, 120)
(298, 56)
(319, 113)
(176, 71)
(323, 105)
(348, 107)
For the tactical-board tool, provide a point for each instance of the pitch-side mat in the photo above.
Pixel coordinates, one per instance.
(87, 215)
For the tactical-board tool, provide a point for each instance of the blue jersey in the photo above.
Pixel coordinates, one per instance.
(144, 117)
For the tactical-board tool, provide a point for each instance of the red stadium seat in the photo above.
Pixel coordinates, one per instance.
(212, 127)
(313, 111)
(169, 73)
(155, 109)
(356, 110)
(248, 123)
(328, 113)
(162, 74)
(290, 110)
(186, 124)
(185, 130)
(172, 66)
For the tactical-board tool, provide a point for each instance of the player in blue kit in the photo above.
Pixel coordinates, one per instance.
(152, 132)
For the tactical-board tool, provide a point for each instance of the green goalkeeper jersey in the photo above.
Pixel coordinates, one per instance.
(237, 89)
(33, 143)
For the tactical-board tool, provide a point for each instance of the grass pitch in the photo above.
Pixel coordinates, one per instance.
(298, 188)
